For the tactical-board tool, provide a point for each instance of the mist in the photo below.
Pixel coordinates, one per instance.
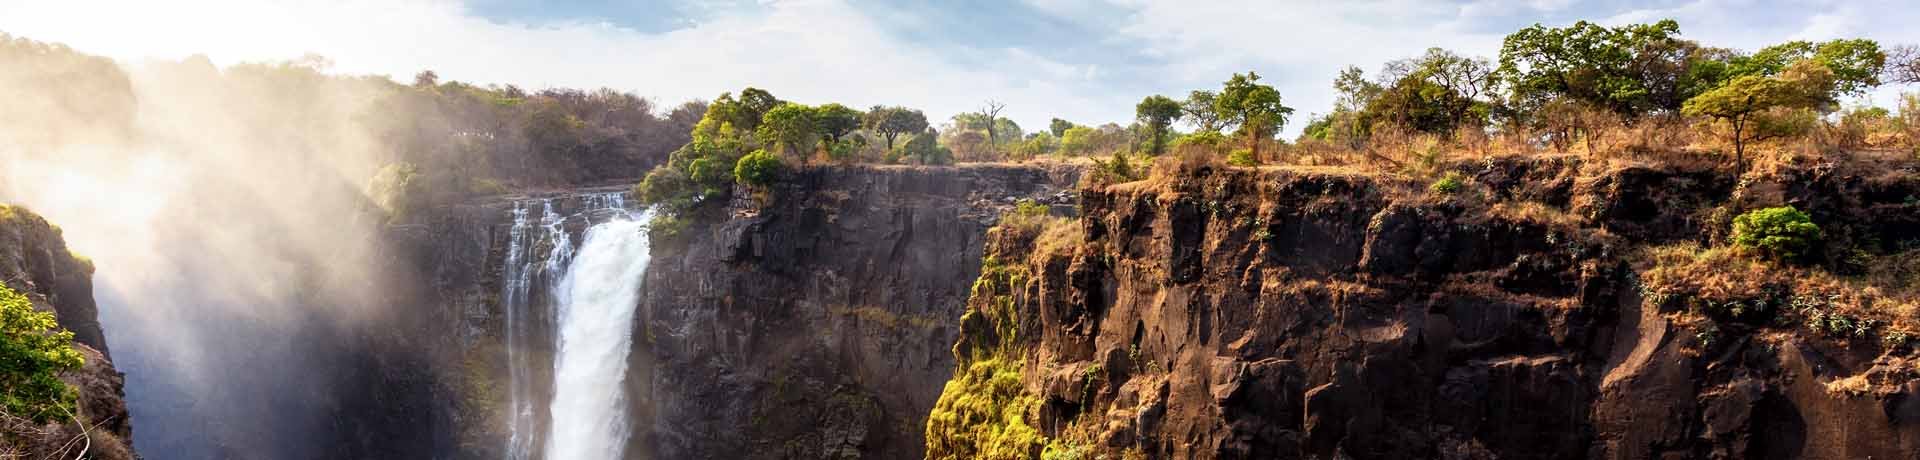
(236, 217)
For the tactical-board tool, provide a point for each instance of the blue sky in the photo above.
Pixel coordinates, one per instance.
(1084, 60)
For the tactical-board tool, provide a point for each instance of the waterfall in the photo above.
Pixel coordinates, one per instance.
(534, 284)
(597, 299)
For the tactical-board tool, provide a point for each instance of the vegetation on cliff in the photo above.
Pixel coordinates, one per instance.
(33, 353)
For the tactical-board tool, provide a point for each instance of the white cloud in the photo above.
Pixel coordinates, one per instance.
(825, 50)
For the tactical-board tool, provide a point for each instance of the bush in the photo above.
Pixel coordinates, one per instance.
(33, 351)
(1242, 157)
(1781, 233)
(758, 169)
(399, 189)
(1448, 184)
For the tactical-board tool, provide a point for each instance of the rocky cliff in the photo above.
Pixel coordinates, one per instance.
(35, 261)
(813, 320)
(1546, 308)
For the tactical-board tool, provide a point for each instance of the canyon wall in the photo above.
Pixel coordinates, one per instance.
(813, 320)
(1313, 313)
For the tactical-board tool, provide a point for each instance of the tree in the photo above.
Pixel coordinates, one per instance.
(1739, 102)
(890, 122)
(1059, 127)
(992, 111)
(789, 126)
(1078, 140)
(426, 79)
(925, 148)
(1903, 65)
(1631, 69)
(1254, 107)
(1157, 112)
(752, 107)
(758, 169)
(33, 353)
(834, 121)
(1856, 63)
(1199, 109)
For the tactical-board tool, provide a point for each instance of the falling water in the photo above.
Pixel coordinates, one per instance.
(597, 299)
(529, 288)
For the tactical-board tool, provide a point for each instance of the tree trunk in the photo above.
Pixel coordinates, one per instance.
(1253, 144)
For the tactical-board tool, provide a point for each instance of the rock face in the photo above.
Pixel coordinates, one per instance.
(817, 324)
(1297, 314)
(35, 262)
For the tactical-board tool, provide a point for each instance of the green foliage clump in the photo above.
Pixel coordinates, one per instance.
(399, 188)
(1242, 157)
(1117, 169)
(33, 351)
(1448, 184)
(758, 169)
(982, 414)
(1781, 233)
(923, 148)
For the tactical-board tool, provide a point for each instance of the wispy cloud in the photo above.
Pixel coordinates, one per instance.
(1085, 60)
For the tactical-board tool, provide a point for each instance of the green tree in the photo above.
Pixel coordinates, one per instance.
(758, 169)
(891, 122)
(1856, 63)
(1199, 109)
(1157, 112)
(33, 353)
(926, 149)
(1078, 140)
(753, 107)
(789, 126)
(1631, 69)
(1059, 127)
(834, 121)
(1740, 102)
(1252, 106)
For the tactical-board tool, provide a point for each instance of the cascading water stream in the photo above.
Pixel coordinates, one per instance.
(593, 293)
(597, 300)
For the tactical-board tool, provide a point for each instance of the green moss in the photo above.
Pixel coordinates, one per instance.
(982, 414)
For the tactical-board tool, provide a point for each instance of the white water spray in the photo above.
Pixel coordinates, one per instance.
(596, 300)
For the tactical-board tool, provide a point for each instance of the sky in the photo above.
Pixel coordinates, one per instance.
(1087, 61)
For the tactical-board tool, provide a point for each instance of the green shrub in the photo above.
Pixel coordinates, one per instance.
(1781, 233)
(33, 351)
(1241, 157)
(1449, 184)
(758, 169)
(399, 188)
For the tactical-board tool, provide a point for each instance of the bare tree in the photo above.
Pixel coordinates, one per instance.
(992, 111)
(1903, 64)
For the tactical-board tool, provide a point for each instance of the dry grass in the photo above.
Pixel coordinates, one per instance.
(1726, 281)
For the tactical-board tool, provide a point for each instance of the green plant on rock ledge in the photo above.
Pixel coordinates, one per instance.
(33, 352)
(1449, 184)
(1780, 233)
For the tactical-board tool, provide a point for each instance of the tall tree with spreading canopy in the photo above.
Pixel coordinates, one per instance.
(1631, 69)
(834, 121)
(891, 122)
(1746, 101)
(1157, 112)
(1253, 107)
